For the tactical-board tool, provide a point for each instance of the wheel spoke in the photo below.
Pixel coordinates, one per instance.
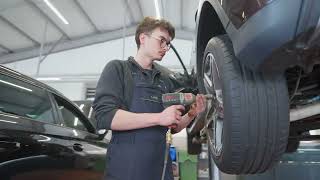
(212, 83)
(208, 84)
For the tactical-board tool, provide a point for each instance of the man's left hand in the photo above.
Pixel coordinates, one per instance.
(198, 107)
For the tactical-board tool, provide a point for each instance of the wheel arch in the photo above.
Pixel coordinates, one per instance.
(209, 25)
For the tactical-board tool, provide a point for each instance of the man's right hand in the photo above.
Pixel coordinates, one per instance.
(171, 115)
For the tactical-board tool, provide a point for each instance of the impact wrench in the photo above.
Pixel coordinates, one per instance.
(170, 99)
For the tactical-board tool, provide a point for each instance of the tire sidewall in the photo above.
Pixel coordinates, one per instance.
(215, 48)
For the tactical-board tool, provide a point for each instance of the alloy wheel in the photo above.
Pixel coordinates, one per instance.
(212, 85)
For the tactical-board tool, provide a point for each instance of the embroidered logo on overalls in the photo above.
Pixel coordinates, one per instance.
(152, 98)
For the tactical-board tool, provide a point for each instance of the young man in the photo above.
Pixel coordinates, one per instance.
(137, 119)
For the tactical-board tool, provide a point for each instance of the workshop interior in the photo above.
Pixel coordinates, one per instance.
(243, 77)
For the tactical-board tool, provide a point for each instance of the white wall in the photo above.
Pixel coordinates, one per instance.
(72, 90)
(91, 59)
(78, 67)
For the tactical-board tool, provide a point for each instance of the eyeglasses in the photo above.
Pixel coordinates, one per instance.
(163, 42)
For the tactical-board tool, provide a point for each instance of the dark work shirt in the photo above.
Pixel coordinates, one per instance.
(114, 91)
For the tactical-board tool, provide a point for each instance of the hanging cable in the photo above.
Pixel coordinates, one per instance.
(44, 39)
(124, 30)
(297, 85)
(183, 66)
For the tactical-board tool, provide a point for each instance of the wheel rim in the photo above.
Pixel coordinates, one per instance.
(212, 85)
(214, 172)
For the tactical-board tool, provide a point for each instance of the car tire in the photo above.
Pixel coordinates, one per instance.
(249, 125)
(292, 145)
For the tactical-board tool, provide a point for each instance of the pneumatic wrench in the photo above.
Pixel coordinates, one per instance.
(170, 99)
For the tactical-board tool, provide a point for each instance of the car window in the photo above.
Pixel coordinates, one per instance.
(86, 107)
(23, 99)
(70, 118)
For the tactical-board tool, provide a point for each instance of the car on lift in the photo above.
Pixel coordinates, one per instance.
(260, 60)
(44, 135)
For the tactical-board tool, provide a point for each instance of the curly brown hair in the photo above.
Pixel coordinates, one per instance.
(148, 24)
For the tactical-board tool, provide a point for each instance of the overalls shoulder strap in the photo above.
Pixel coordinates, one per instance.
(128, 81)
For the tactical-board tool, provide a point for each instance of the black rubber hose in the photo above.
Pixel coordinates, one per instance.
(177, 54)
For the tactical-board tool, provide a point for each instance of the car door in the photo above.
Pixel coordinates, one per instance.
(88, 151)
(27, 150)
(86, 108)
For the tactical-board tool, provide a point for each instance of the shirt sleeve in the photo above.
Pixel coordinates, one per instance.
(109, 95)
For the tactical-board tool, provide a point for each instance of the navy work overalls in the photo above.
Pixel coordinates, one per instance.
(139, 154)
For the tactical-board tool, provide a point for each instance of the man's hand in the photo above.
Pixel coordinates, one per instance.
(171, 115)
(198, 107)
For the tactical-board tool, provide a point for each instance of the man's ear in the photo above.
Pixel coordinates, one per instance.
(142, 38)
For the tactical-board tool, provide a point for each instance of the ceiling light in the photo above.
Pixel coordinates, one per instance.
(12, 122)
(14, 85)
(81, 107)
(75, 132)
(75, 122)
(55, 10)
(156, 4)
(48, 79)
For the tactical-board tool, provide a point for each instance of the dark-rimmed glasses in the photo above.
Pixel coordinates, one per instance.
(163, 42)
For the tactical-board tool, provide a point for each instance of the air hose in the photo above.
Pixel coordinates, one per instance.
(168, 143)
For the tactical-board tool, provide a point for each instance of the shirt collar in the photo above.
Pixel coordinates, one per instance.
(134, 62)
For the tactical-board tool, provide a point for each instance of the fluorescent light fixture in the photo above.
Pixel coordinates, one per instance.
(17, 86)
(48, 79)
(156, 4)
(75, 122)
(12, 116)
(12, 122)
(81, 107)
(75, 132)
(90, 113)
(55, 10)
(314, 132)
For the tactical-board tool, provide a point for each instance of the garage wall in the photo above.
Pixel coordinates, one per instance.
(81, 67)
(90, 60)
(72, 90)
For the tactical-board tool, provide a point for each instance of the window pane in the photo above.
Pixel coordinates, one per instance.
(25, 100)
(70, 118)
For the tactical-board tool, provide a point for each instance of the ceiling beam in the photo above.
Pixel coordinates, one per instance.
(140, 8)
(84, 41)
(44, 15)
(129, 10)
(84, 13)
(163, 13)
(6, 49)
(181, 14)
(67, 45)
(20, 31)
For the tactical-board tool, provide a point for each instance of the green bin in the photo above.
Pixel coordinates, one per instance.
(187, 166)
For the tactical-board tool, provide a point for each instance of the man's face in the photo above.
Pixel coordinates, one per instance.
(157, 43)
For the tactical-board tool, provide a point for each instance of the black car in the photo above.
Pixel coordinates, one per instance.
(43, 135)
(86, 108)
(260, 60)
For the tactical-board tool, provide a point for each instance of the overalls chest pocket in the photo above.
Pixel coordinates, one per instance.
(147, 98)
